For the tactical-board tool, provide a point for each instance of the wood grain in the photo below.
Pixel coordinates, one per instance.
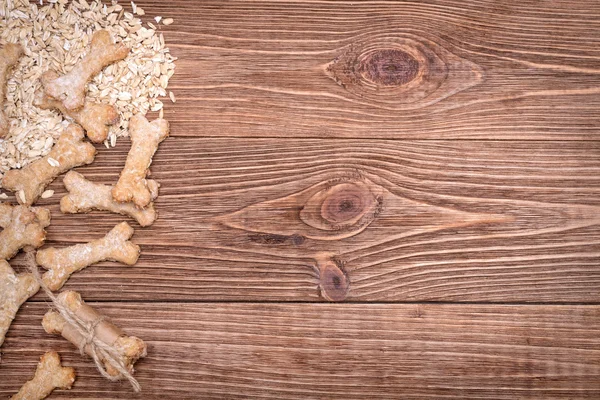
(429, 69)
(289, 220)
(421, 161)
(317, 351)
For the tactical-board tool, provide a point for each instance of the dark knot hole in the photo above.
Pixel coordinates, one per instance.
(390, 67)
(337, 282)
(346, 205)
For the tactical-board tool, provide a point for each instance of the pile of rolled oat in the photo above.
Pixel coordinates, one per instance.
(55, 35)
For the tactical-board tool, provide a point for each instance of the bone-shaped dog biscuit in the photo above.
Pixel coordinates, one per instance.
(14, 291)
(70, 88)
(129, 348)
(61, 263)
(70, 151)
(9, 56)
(85, 196)
(145, 138)
(95, 118)
(23, 228)
(50, 375)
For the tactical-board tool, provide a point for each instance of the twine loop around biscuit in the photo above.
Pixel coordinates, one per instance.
(90, 328)
(98, 349)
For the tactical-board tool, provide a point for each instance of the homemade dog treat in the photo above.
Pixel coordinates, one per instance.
(9, 56)
(49, 375)
(70, 88)
(95, 118)
(145, 137)
(116, 350)
(14, 291)
(23, 228)
(70, 151)
(61, 263)
(85, 196)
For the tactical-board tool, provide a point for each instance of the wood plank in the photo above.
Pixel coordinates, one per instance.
(430, 69)
(316, 351)
(281, 220)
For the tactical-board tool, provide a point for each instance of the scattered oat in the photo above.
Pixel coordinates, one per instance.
(3, 196)
(22, 197)
(157, 19)
(55, 36)
(172, 96)
(47, 194)
(53, 162)
(167, 21)
(158, 105)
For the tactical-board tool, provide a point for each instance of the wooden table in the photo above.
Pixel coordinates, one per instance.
(359, 200)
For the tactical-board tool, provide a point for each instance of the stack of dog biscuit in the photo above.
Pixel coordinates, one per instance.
(24, 225)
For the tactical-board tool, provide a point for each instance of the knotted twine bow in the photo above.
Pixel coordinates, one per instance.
(98, 349)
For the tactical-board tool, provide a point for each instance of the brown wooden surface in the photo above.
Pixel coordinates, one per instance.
(457, 221)
(342, 351)
(486, 69)
(435, 165)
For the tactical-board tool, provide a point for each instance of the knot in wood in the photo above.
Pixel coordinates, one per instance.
(344, 207)
(334, 282)
(345, 203)
(389, 67)
(398, 71)
(332, 209)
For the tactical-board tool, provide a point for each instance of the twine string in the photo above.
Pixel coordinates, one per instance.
(98, 349)
(90, 327)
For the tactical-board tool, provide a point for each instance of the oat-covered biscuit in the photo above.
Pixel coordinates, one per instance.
(128, 348)
(70, 152)
(85, 196)
(14, 291)
(9, 56)
(61, 263)
(23, 228)
(70, 88)
(145, 138)
(95, 118)
(50, 375)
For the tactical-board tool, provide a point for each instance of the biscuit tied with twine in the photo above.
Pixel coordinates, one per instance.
(109, 361)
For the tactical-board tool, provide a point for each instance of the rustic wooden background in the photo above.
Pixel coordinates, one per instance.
(360, 200)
